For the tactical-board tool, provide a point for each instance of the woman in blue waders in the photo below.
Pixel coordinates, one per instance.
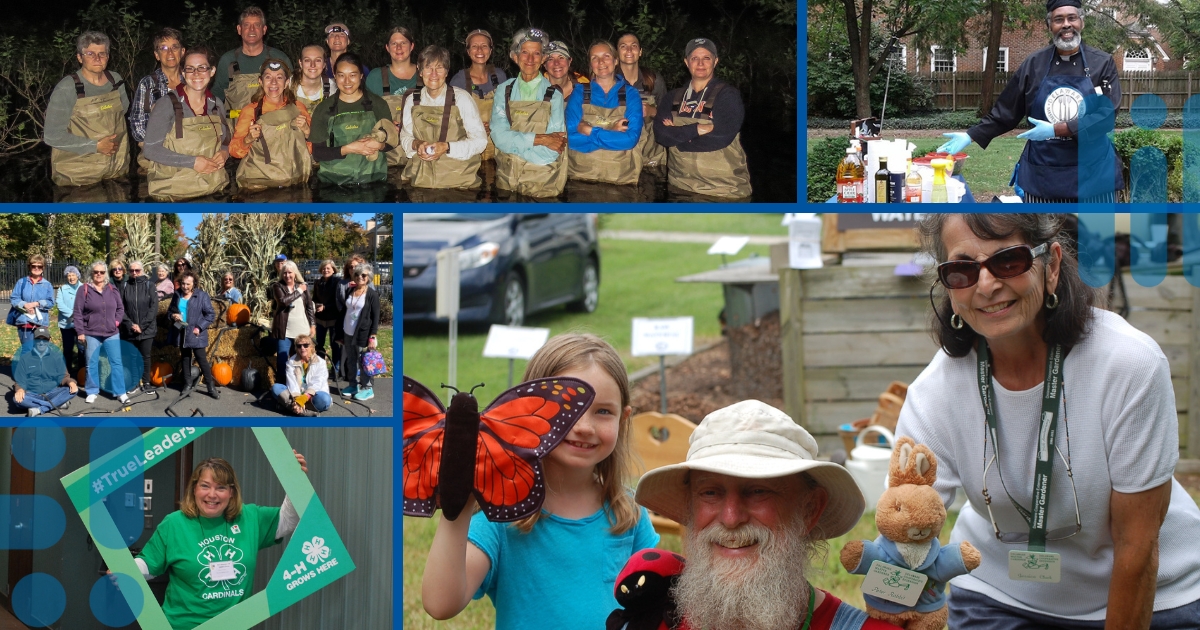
(1070, 93)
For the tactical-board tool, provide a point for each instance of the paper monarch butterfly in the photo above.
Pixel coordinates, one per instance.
(450, 454)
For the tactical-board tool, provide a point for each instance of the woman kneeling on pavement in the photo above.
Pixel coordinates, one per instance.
(187, 140)
(271, 134)
(307, 380)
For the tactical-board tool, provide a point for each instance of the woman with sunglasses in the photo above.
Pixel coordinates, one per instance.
(182, 266)
(359, 325)
(98, 313)
(306, 382)
(1082, 407)
(229, 292)
(116, 273)
(187, 138)
(31, 301)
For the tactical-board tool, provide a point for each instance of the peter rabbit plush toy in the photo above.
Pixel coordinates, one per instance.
(910, 516)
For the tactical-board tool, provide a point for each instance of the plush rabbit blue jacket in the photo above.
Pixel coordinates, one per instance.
(940, 565)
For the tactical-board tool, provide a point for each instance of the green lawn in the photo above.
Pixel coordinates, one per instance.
(986, 171)
(740, 224)
(629, 287)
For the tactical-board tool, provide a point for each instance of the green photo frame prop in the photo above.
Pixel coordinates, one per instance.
(314, 557)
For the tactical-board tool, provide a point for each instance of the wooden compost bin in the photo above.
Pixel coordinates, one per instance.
(860, 328)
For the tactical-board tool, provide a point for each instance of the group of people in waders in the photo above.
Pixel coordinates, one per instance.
(280, 119)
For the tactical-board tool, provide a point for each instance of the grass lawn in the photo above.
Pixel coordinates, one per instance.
(987, 171)
(629, 287)
(734, 224)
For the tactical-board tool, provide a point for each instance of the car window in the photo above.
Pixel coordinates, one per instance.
(452, 216)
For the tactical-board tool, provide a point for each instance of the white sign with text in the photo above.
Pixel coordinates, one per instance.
(653, 336)
(514, 342)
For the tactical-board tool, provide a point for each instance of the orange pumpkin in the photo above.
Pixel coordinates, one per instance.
(238, 315)
(161, 373)
(223, 373)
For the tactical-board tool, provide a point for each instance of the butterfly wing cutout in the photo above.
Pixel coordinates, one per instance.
(516, 431)
(424, 426)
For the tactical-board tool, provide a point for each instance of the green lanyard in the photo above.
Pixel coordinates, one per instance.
(812, 599)
(1051, 393)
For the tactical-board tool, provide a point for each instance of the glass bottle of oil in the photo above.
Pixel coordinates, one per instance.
(881, 182)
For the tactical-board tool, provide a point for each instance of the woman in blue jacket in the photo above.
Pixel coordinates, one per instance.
(191, 313)
(72, 352)
(31, 301)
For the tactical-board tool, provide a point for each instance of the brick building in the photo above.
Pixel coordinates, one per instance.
(1016, 45)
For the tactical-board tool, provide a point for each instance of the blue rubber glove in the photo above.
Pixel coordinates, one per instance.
(957, 142)
(1042, 130)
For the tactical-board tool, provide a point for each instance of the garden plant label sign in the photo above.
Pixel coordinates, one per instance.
(314, 558)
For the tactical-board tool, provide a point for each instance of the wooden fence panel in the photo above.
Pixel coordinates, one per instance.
(964, 90)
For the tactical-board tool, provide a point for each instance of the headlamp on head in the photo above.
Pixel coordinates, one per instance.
(274, 65)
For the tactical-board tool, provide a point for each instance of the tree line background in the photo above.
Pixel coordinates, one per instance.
(757, 41)
(70, 236)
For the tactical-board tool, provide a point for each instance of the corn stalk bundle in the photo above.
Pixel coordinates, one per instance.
(139, 240)
(256, 241)
(210, 251)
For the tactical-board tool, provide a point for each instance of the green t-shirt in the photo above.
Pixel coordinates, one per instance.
(183, 547)
(398, 86)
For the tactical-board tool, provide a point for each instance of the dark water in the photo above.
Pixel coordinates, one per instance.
(25, 178)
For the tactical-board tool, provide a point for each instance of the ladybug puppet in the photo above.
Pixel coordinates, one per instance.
(644, 591)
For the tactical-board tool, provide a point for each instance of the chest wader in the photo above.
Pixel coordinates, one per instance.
(280, 155)
(654, 155)
(432, 123)
(93, 117)
(514, 173)
(720, 173)
(601, 165)
(309, 104)
(198, 136)
(240, 89)
(344, 128)
(395, 103)
(485, 110)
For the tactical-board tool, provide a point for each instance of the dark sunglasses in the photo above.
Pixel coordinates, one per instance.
(304, 345)
(36, 267)
(1009, 262)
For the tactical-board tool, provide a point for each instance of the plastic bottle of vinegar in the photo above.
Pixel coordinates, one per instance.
(851, 178)
(939, 181)
(912, 185)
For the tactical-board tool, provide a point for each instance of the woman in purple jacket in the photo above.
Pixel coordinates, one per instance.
(98, 314)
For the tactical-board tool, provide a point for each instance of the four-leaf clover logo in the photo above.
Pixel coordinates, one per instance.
(315, 550)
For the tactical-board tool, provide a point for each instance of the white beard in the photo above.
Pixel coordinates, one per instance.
(767, 591)
(1064, 46)
(914, 553)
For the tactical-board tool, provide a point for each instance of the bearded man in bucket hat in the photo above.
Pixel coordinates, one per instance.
(758, 507)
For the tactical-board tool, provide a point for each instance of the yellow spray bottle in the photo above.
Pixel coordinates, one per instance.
(939, 181)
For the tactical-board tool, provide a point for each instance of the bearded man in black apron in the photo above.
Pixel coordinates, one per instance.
(1070, 93)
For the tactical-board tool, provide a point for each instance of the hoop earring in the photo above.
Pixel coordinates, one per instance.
(956, 322)
(1052, 302)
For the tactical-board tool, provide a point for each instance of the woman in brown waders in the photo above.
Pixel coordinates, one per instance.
(481, 79)
(653, 89)
(395, 80)
(187, 140)
(85, 119)
(442, 135)
(271, 134)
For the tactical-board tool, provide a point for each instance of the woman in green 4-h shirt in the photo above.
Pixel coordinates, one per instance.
(210, 545)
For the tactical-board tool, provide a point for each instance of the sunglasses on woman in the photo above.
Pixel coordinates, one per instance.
(1009, 262)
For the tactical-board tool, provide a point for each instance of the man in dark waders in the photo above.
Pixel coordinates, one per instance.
(1070, 93)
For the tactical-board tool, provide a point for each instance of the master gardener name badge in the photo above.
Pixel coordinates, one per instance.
(890, 582)
(1034, 566)
(222, 570)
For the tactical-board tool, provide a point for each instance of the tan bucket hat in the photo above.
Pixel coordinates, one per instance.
(753, 440)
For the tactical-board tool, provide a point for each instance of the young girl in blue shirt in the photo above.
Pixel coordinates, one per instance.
(556, 569)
